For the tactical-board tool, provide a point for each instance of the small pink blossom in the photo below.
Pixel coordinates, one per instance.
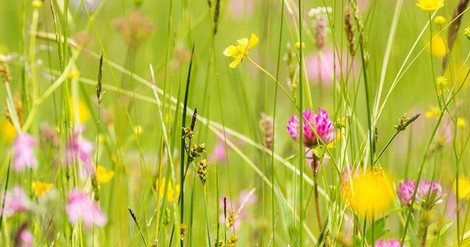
(24, 238)
(81, 207)
(323, 66)
(81, 149)
(235, 211)
(218, 154)
(405, 192)
(23, 152)
(387, 243)
(320, 122)
(16, 201)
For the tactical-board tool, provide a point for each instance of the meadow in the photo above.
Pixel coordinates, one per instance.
(234, 123)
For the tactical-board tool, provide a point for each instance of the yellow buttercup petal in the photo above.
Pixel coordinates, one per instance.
(103, 176)
(242, 42)
(254, 40)
(230, 51)
(430, 5)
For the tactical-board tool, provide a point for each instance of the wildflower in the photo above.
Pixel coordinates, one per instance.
(466, 32)
(81, 207)
(433, 112)
(441, 85)
(135, 28)
(23, 237)
(461, 123)
(23, 152)
(430, 5)
(49, 135)
(405, 192)
(464, 187)
(319, 16)
(218, 153)
(234, 213)
(440, 20)
(325, 66)
(369, 194)
(313, 125)
(241, 50)
(8, 131)
(387, 243)
(241, 9)
(298, 46)
(103, 176)
(73, 74)
(41, 188)
(16, 201)
(79, 110)
(80, 149)
(427, 195)
(439, 48)
(170, 193)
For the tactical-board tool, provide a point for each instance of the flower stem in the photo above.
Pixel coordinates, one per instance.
(316, 165)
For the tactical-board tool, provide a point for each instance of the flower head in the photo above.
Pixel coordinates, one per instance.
(241, 50)
(23, 237)
(80, 149)
(8, 131)
(313, 125)
(41, 188)
(405, 192)
(23, 152)
(464, 187)
(79, 110)
(427, 194)
(441, 85)
(234, 212)
(387, 243)
(81, 207)
(440, 20)
(16, 201)
(430, 5)
(369, 194)
(103, 176)
(170, 193)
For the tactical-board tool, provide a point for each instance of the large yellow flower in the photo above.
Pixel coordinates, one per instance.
(81, 110)
(8, 131)
(369, 194)
(430, 4)
(241, 50)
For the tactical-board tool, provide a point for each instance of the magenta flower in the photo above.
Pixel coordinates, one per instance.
(426, 190)
(218, 154)
(16, 201)
(80, 149)
(23, 152)
(312, 123)
(387, 243)
(405, 192)
(81, 207)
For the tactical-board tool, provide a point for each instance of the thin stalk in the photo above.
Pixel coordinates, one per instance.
(301, 144)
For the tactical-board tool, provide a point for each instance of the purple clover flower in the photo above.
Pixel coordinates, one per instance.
(311, 123)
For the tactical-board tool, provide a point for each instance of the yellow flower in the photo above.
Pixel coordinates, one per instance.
(440, 20)
(461, 123)
(170, 194)
(433, 112)
(430, 4)
(41, 188)
(297, 45)
(370, 194)
(464, 187)
(439, 48)
(83, 112)
(8, 131)
(241, 50)
(73, 74)
(102, 175)
(441, 85)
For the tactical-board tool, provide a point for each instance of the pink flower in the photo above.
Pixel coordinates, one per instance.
(23, 237)
(387, 243)
(426, 191)
(218, 154)
(81, 207)
(323, 66)
(240, 9)
(405, 192)
(80, 149)
(320, 122)
(235, 210)
(23, 152)
(16, 201)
